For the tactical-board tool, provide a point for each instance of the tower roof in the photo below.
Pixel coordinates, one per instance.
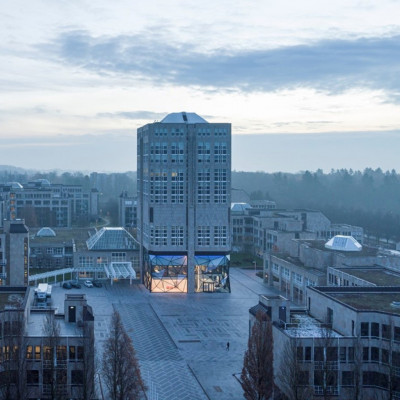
(183, 118)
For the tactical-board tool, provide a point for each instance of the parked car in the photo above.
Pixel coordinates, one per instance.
(76, 285)
(67, 285)
(88, 283)
(97, 284)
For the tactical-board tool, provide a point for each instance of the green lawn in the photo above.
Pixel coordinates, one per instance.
(245, 260)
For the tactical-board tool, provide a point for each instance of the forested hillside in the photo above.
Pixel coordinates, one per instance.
(370, 198)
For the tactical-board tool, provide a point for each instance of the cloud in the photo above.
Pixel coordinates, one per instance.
(328, 65)
(134, 115)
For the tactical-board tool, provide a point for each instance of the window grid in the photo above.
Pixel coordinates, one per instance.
(220, 236)
(159, 236)
(203, 235)
(220, 152)
(220, 185)
(159, 187)
(177, 187)
(203, 186)
(203, 152)
(177, 236)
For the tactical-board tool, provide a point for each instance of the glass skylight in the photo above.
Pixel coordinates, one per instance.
(111, 239)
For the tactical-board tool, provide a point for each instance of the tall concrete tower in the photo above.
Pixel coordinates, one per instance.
(14, 253)
(184, 186)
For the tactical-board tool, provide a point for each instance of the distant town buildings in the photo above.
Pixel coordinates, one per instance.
(127, 211)
(41, 203)
(184, 184)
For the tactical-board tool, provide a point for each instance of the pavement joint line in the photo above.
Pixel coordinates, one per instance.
(165, 329)
(198, 381)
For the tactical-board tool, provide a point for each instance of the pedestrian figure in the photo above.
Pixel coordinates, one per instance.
(227, 346)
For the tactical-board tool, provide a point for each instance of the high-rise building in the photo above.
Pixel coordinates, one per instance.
(184, 186)
(14, 253)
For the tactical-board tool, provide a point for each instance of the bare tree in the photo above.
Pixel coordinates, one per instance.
(13, 382)
(357, 368)
(55, 360)
(326, 362)
(120, 368)
(87, 342)
(291, 375)
(257, 377)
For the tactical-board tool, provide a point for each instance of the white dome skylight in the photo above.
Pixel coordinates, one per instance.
(343, 243)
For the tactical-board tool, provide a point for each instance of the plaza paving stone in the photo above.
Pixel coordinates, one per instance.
(180, 339)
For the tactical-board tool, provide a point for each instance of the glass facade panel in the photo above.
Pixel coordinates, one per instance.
(166, 273)
(212, 273)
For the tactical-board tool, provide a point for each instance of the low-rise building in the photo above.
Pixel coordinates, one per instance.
(111, 253)
(258, 227)
(46, 352)
(316, 263)
(347, 342)
(86, 253)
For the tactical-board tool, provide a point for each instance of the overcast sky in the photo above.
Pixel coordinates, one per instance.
(318, 79)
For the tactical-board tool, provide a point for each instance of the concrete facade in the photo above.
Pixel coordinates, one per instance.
(347, 342)
(14, 253)
(127, 211)
(45, 365)
(262, 229)
(309, 263)
(184, 184)
(41, 203)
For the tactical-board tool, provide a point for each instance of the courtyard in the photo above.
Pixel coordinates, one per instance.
(180, 339)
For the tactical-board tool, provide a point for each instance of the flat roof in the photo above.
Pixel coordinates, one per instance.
(364, 298)
(303, 325)
(63, 236)
(377, 276)
(320, 245)
(370, 301)
(37, 317)
(37, 320)
(295, 261)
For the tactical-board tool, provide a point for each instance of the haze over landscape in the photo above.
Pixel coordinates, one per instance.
(305, 85)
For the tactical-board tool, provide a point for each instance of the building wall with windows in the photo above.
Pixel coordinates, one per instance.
(310, 263)
(14, 253)
(127, 211)
(184, 182)
(48, 366)
(263, 230)
(43, 204)
(347, 342)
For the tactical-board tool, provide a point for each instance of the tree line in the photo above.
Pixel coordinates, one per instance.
(369, 198)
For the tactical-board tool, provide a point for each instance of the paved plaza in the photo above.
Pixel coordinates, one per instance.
(180, 339)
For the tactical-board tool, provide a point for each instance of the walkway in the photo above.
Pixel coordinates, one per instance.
(181, 339)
